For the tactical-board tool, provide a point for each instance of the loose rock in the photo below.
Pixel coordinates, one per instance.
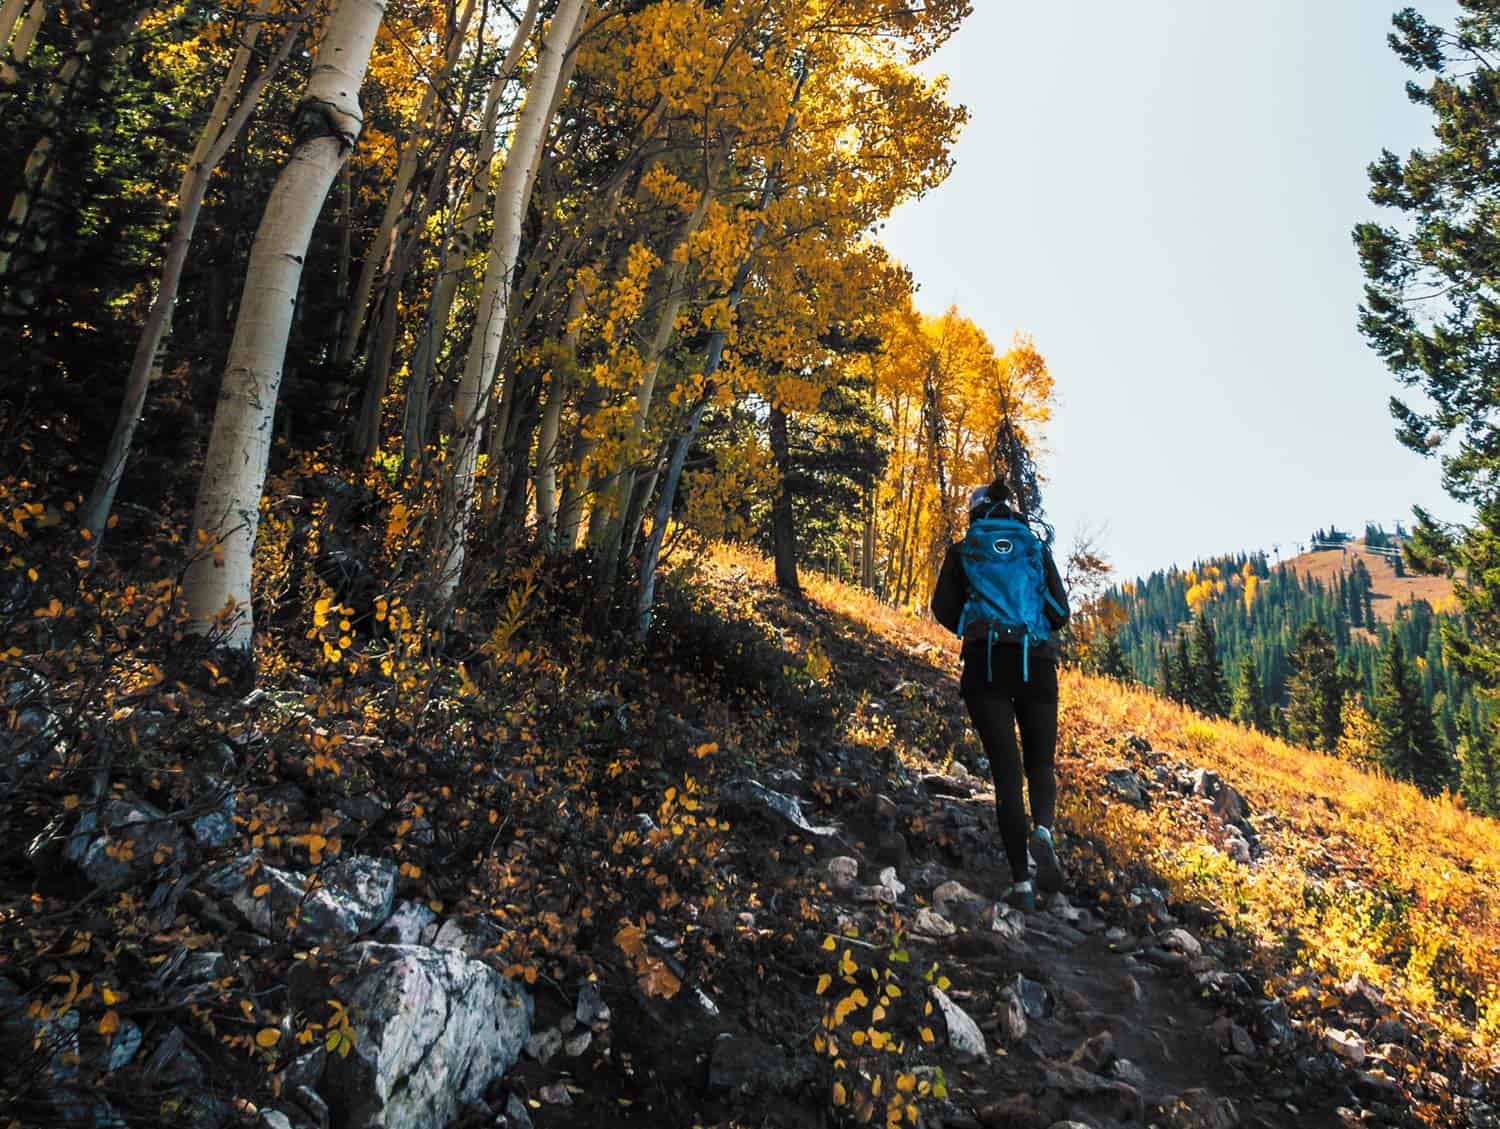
(929, 924)
(843, 872)
(964, 1035)
(355, 896)
(1348, 1045)
(432, 1031)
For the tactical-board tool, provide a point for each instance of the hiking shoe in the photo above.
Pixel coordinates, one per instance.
(1049, 875)
(1021, 896)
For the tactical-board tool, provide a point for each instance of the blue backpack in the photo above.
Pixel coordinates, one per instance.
(1004, 561)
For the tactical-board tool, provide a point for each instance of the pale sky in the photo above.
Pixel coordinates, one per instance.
(1162, 193)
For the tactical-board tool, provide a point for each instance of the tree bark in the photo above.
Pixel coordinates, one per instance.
(471, 403)
(452, 268)
(227, 510)
(783, 520)
(17, 36)
(225, 123)
(610, 539)
(379, 251)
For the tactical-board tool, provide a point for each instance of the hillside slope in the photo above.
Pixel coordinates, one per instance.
(741, 879)
(1390, 590)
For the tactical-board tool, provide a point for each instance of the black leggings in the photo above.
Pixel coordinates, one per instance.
(998, 706)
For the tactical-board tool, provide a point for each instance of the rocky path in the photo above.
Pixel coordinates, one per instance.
(1097, 1016)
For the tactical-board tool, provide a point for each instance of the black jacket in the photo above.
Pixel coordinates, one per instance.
(952, 592)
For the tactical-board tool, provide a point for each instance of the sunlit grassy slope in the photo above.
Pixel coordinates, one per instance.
(1359, 874)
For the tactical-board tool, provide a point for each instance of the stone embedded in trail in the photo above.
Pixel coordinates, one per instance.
(1124, 784)
(958, 903)
(578, 1043)
(1237, 847)
(876, 895)
(1180, 941)
(964, 1035)
(1007, 921)
(1033, 997)
(889, 880)
(751, 795)
(1095, 1053)
(590, 1009)
(1273, 1022)
(1348, 1045)
(1127, 1071)
(355, 895)
(544, 1044)
(959, 787)
(1011, 1015)
(432, 1030)
(929, 924)
(1199, 1109)
(843, 872)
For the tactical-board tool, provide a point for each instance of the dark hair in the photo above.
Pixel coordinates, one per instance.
(999, 490)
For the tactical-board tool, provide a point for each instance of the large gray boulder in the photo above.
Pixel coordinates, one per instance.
(432, 1029)
(353, 896)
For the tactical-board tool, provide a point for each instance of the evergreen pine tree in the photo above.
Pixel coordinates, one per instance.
(1250, 707)
(1410, 748)
(1209, 692)
(1183, 664)
(1112, 661)
(1168, 684)
(1315, 691)
(1479, 772)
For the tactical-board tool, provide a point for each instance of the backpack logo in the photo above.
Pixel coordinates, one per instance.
(1003, 546)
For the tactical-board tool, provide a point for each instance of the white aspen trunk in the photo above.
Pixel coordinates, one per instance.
(414, 430)
(39, 160)
(611, 534)
(225, 123)
(471, 403)
(379, 250)
(501, 426)
(14, 49)
(557, 395)
(227, 509)
(10, 15)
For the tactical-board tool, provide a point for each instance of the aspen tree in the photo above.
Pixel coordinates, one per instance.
(18, 31)
(379, 250)
(235, 103)
(451, 269)
(227, 511)
(471, 403)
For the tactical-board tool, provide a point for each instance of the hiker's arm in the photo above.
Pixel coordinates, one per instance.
(951, 591)
(1056, 615)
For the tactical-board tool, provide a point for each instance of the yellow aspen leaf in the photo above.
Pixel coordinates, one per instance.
(109, 1022)
(829, 944)
(840, 1095)
(823, 982)
(267, 1037)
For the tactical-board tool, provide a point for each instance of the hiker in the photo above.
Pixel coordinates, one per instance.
(1000, 592)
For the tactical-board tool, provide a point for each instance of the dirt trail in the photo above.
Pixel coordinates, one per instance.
(1117, 1029)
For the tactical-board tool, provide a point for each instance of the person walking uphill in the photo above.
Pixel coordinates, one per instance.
(1000, 592)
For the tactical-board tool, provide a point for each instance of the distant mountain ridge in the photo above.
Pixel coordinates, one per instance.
(1389, 589)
